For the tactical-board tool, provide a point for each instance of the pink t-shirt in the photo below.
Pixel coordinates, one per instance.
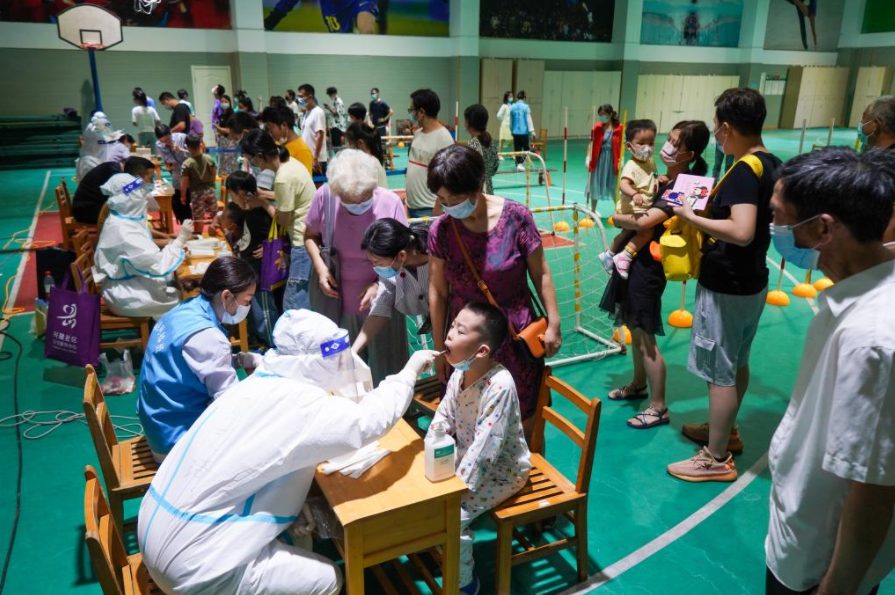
(356, 272)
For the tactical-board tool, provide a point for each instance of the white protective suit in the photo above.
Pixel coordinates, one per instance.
(98, 138)
(239, 477)
(133, 271)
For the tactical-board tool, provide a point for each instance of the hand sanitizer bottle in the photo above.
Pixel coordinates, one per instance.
(440, 453)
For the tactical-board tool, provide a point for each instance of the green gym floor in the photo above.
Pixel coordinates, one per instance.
(649, 533)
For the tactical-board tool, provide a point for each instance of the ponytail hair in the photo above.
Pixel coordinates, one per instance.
(387, 237)
(613, 115)
(476, 117)
(694, 135)
(140, 96)
(358, 131)
(226, 272)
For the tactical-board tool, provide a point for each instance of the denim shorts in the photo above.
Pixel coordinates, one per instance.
(296, 295)
(724, 327)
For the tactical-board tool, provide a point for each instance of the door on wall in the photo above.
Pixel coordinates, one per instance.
(204, 78)
(496, 79)
(581, 93)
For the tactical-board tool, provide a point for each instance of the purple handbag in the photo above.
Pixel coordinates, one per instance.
(274, 260)
(73, 333)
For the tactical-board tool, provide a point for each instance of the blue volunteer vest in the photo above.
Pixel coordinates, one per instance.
(519, 118)
(171, 396)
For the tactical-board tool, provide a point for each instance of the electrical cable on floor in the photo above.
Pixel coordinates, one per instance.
(4, 356)
(131, 427)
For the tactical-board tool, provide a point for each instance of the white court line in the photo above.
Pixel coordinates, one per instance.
(22, 263)
(684, 527)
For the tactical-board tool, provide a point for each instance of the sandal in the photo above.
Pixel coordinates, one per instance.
(628, 393)
(661, 418)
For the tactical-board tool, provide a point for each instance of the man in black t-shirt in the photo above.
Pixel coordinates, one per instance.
(180, 116)
(89, 199)
(380, 112)
(733, 282)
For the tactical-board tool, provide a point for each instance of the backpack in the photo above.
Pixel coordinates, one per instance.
(680, 247)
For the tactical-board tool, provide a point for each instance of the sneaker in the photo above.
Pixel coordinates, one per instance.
(472, 587)
(622, 262)
(704, 467)
(520, 167)
(700, 433)
(606, 259)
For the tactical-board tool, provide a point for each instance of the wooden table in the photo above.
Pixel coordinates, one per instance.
(239, 334)
(166, 210)
(393, 510)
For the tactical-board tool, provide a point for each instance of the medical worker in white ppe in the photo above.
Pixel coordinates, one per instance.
(97, 137)
(239, 477)
(134, 272)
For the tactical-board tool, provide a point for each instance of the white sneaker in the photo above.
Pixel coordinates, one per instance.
(622, 262)
(608, 263)
(520, 167)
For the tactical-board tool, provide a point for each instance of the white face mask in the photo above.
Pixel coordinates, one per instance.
(641, 153)
(241, 313)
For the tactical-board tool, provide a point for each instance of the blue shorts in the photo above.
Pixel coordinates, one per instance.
(339, 16)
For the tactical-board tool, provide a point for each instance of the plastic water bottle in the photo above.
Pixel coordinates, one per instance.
(440, 453)
(49, 283)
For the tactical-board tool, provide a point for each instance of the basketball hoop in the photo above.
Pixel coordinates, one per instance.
(89, 27)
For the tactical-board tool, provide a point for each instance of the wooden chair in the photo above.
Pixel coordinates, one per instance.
(101, 220)
(108, 321)
(81, 244)
(547, 493)
(118, 573)
(66, 219)
(540, 143)
(128, 466)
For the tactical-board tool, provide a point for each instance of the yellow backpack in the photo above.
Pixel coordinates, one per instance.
(680, 247)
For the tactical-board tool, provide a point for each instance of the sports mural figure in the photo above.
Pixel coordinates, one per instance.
(339, 16)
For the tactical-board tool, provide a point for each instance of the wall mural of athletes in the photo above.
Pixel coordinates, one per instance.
(804, 25)
(712, 23)
(560, 20)
(190, 14)
(427, 18)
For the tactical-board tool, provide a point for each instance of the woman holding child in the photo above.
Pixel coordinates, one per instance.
(505, 247)
(636, 302)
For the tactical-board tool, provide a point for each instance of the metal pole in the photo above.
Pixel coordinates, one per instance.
(565, 150)
(457, 122)
(96, 95)
(621, 158)
(577, 259)
(830, 135)
(802, 139)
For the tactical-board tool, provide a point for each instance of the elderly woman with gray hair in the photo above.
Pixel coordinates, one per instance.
(340, 213)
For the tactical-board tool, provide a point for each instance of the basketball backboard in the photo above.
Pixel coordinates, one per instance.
(89, 27)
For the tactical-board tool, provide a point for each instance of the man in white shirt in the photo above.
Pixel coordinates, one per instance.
(313, 127)
(338, 116)
(832, 458)
(427, 141)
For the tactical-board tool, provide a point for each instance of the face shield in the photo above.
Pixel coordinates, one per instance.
(350, 376)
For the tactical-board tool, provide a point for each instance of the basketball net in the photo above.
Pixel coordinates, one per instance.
(146, 6)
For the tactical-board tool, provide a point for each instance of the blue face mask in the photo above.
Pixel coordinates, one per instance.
(359, 208)
(861, 134)
(302, 101)
(460, 211)
(466, 364)
(785, 244)
(387, 272)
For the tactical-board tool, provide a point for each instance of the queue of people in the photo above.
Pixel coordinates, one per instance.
(358, 269)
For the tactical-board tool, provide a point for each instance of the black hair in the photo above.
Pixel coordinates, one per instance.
(181, 93)
(507, 96)
(245, 100)
(193, 141)
(127, 138)
(357, 110)
(276, 101)
(358, 131)
(494, 327)
(278, 116)
(241, 122)
(241, 181)
(332, 91)
(476, 117)
(743, 109)
(426, 99)
(290, 94)
(259, 142)
(855, 188)
(165, 96)
(520, 95)
(225, 272)
(635, 126)
(141, 98)
(613, 115)
(386, 237)
(374, 90)
(161, 130)
(228, 111)
(694, 135)
(137, 166)
(283, 153)
(307, 88)
(219, 88)
(458, 168)
(235, 214)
